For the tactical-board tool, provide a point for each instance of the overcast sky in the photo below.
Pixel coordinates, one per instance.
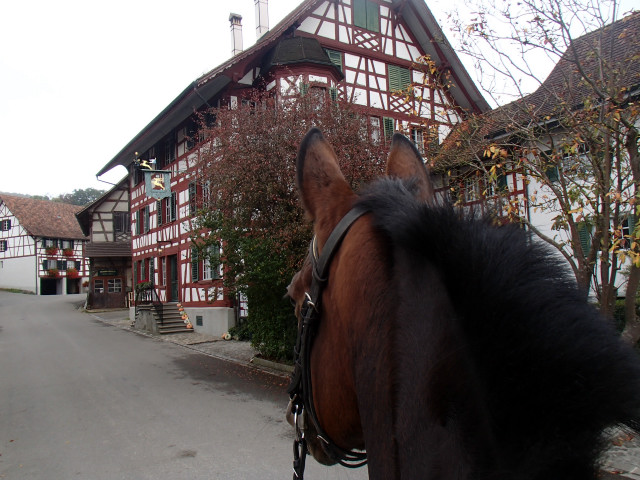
(79, 79)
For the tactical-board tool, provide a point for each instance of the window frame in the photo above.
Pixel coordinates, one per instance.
(366, 15)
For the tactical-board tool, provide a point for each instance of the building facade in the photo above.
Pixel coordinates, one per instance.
(364, 51)
(107, 224)
(42, 248)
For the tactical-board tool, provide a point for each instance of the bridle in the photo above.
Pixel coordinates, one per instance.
(300, 389)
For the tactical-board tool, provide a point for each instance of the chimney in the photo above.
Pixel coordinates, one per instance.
(262, 17)
(236, 33)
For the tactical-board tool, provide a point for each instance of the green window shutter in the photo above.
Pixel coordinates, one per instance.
(399, 78)
(373, 16)
(135, 273)
(214, 261)
(333, 93)
(194, 264)
(388, 124)
(631, 221)
(147, 221)
(152, 270)
(143, 271)
(335, 57)
(304, 88)
(360, 13)
(192, 198)
(159, 208)
(174, 206)
(584, 235)
(138, 222)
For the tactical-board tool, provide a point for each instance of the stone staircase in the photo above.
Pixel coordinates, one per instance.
(171, 320)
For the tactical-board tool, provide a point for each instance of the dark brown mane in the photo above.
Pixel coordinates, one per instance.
(535, 359)
(449, 348)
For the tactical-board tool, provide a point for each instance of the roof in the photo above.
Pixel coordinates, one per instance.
(415, 13)
(618, 44)
(296, 50)
(45, 218)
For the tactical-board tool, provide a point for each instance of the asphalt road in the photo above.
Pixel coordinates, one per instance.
(80, 399)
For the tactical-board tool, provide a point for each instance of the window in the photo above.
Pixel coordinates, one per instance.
(51, 242)
(67, 244)
(172, 207)
(471, 189)
(399, 78)
(417, 137)
(169, 149)
(335, 57)
(212, 265)
(195, 271)
(163, 272)
(3, 245)
(61, 265)
(120, 222)
(98, 286)
(5, 225)
(366, 14)
(389, 127)
(374, 123)
(143, 271)
(628, 228)
(193, 198)
(114, 285)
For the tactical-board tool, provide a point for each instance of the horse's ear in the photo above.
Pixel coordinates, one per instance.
(323, 189)
(405, 162)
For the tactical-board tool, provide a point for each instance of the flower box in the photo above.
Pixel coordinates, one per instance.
(51, 251)
(53, 273)
(68, 252)
(73, 273)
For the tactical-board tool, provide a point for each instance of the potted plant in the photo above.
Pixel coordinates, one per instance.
(53, 273)
(51, 251)
(68, 252)
(144, 285)
(72, 273)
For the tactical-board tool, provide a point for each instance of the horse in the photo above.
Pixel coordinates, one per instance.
(442, 344)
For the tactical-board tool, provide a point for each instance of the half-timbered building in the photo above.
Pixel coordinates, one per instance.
(361, 50)
(106, 222)
(42, 248)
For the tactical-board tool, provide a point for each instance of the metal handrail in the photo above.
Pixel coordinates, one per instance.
(145, 296)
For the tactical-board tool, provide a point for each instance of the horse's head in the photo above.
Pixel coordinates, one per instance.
(356, 277)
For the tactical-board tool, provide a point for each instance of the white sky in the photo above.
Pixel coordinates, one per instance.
(79, 79)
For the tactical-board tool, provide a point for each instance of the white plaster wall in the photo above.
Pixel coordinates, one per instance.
(18, 273)
(215, 320)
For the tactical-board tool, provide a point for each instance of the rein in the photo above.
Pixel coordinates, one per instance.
(300, 388)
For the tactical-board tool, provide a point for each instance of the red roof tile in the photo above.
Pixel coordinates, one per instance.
(45, 218)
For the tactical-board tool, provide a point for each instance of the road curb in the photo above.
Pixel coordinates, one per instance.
(281, 367)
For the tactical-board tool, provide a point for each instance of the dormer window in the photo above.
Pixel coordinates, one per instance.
(5, 225)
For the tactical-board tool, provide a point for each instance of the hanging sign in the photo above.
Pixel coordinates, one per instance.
(157, 183)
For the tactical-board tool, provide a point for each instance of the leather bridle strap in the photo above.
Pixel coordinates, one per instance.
(300, 389)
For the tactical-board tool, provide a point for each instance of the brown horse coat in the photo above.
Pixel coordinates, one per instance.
(450, 348)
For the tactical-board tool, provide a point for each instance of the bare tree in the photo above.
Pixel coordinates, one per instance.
(573, 142)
